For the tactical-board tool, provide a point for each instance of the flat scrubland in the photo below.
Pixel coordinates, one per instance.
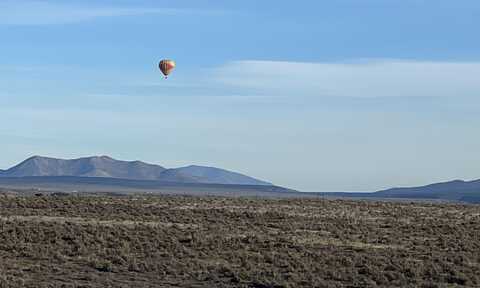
(178, 241)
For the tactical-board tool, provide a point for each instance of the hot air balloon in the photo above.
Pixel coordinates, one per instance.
(166, 66)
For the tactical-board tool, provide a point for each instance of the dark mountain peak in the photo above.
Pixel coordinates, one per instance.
(99, 158)
(200, 167)
(38, 158)
(105, 157)
(108, 159)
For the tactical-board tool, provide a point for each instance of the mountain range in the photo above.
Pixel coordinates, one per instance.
(107, 167)
(105, 174)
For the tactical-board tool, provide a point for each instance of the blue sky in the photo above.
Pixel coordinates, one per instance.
(314, 95)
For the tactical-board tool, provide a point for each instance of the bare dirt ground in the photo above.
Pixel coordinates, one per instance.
(162, 241)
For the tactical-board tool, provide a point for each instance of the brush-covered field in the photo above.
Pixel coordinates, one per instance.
(150, 241)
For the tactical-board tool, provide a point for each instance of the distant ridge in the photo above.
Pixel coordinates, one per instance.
(456, 191)
(107, 167)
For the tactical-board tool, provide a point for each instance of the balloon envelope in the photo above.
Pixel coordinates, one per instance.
(166, 66)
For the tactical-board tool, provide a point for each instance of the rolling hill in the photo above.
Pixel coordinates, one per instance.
(456, 191)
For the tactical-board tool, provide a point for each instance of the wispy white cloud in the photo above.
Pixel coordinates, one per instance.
(18, 12)
(379, 78)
